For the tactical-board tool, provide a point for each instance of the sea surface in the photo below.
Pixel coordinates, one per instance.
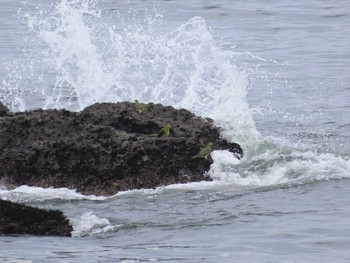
(275, 75)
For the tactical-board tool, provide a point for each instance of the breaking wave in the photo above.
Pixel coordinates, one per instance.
(81, 54)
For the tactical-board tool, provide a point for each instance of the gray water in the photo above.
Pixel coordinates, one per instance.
(274, 75)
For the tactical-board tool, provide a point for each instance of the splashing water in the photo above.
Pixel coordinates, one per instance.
(94, 62)
(82, 55)
(89, 224)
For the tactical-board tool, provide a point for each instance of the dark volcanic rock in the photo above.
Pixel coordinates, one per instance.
(3, 109)
(17, 219)
(106, 148)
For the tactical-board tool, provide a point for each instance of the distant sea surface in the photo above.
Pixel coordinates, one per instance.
(274, 75)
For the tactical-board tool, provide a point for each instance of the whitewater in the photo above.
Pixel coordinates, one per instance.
(274, 77)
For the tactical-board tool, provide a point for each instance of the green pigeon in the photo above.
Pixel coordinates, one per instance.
(140, 107)
(165, 130)
(203, 153)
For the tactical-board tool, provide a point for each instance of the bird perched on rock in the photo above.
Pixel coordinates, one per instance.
(140, 107)
(203, 153)
(165, 130)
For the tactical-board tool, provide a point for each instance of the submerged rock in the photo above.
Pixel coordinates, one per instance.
(106, 147)
(18, 219)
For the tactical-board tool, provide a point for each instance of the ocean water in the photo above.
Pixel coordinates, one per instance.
(273, 75)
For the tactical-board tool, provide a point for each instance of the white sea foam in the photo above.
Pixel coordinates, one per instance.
(269, 169)
(276, 168)
(30, 193)
(89, 224)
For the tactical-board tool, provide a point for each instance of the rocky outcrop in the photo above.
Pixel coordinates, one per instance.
(3, 110)
(106, 148)
(17, 219)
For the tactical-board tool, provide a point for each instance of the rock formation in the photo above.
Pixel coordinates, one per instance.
(17, 219)
(3, 109)
(106, 147)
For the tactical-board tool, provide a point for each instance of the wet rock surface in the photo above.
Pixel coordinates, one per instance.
(106, 148)
(3, 109)
(18, 219)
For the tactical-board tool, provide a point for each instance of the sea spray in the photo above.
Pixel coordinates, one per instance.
(81, 54)
(86, 58)
(89, 225)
